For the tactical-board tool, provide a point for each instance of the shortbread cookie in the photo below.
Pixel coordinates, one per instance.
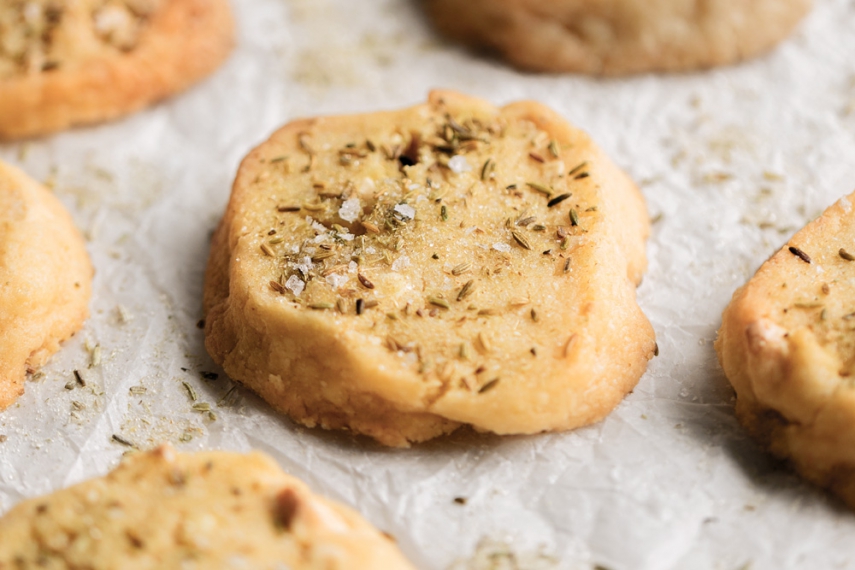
(45, 279)
(787, 344)
(163, 510)
(72, 62)
(402, 273)
(614, 37)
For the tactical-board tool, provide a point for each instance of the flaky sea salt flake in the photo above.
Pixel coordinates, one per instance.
(407, 212)
(350, 210)
(295, 285)
(458, 164)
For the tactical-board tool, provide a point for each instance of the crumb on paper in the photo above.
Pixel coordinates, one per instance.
(125, 316)
(491, 554)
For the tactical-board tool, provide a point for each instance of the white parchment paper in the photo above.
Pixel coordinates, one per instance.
(731, 161)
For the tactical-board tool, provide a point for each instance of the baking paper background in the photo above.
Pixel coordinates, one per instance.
(731, 162)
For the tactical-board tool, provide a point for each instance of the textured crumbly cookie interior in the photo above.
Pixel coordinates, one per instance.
(43, 35)
(206, 510)
(450, 260)
(787, 344)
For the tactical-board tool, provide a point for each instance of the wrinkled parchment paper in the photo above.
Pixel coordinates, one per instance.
(731, 161)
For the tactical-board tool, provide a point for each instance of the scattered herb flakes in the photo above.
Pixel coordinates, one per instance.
(201, 407)
(574, 217)
(443, 213)
(521, 240)
(483, 340)
(276, 286)
(558, 199)
(461, 269)
(79, 379)
(268, 251)
(540, 188)
(553, 148)
(125, 315)
(488, 386)
(577, 168)
(209, 375)
(95, 356)
(137, 390)
(846, 255)
(119, 439)
(460, 500)
(800, 254)
(3, 438)
(70, 385)
(365, 281)
(487, 169)
(439, 302)
(321, 306)
(190, 391)
(466, 290)
(226, 397)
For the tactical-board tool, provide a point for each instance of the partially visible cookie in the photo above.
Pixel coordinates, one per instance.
(614, 37)
(45, 279)
(787, 344)
(72, 62)
(399, 274)
(164, 510)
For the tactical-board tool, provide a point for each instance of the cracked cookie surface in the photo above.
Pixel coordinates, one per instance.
(72, 62)
(399, 274)
(614, 37)
(45, 279)
(162, 509)
(787, 345)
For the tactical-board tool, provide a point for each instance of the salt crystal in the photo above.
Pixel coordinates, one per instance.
(370, 249)
(350, 210)
(346, 236)
(401, 263)
(295, 285)
(407, 212)
(336, 281)
(503, 247)
(304, 266)
(320, 228)
(458, 164)
(351, 267)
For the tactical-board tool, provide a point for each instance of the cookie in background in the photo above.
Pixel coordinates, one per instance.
(618, 37)
(45, 279)
(67, 63)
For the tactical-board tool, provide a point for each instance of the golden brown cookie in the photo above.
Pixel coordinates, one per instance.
(45, 279)
(72, 62)
(614, 37)
(787, 344)
(399, 274)
(163, 510)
